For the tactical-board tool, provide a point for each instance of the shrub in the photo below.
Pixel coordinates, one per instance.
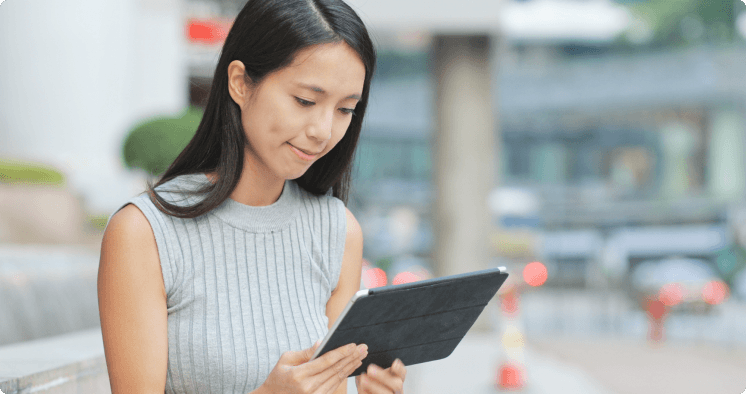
(17, 172)
(153, 145)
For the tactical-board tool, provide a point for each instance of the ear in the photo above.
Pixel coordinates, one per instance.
(237, 87)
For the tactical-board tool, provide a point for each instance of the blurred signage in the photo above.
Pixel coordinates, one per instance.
(205, 37)
(208, 31)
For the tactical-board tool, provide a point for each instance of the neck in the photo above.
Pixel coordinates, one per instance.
(256, 187)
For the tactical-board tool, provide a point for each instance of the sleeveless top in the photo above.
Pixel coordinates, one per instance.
(243, 284)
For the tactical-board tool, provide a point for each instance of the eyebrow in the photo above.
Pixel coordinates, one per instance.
(322, 91)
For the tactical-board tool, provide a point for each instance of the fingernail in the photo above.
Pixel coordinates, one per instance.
(372, 370)
(364, 349)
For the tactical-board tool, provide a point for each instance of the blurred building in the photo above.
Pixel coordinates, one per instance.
(603, 142)
(631, 156)
(76, 76)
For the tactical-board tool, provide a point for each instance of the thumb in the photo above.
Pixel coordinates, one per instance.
(311, 350)
(299, 357)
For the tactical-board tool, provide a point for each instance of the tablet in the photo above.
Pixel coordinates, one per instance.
(414, 322)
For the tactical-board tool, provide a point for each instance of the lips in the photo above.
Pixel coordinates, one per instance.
(308, 152)
(304, 154)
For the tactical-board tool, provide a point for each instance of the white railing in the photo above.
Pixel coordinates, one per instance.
(66, 364)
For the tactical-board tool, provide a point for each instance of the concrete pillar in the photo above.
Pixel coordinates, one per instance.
(679, 139)
(726, 165)
(464, 155)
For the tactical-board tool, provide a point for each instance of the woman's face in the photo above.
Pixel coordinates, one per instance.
(299, 113)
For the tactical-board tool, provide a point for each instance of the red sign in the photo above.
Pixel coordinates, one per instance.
(208, 31)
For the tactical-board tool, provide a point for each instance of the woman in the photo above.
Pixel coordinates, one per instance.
(222, 276)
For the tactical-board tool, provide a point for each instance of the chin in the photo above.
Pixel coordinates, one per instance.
(296, 174)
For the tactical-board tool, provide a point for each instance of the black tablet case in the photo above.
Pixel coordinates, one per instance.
(416, 322)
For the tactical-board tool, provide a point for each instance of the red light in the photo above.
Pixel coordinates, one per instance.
(208, 32)
(535, 274)
(671, 294)
(509, 376)
(374, 277)
(656, 309)
(715, 292)
(405, 277)
(509, 300)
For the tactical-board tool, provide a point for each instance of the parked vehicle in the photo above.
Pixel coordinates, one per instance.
(682, 284)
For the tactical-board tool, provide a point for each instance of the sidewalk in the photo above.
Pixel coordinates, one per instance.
(473, 366)
(629, 366)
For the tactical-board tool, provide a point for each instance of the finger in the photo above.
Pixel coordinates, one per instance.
(344, 367)
(371, 385)
(329, 359)
(338, 374)
(398, 369)
(384, 379)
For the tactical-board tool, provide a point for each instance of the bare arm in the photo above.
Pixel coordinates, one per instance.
(132, 305)
(349, 278)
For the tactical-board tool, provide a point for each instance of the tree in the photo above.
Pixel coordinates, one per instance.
(153, 145)
(689, 22)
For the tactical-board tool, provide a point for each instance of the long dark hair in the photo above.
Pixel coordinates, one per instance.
(266, 35)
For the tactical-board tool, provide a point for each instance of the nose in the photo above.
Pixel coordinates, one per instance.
(321, 128)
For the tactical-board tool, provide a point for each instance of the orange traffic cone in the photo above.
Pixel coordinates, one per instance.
(510, 377)
(511, 374)
(657, 312)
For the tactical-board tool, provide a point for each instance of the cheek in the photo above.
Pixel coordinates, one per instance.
(285, 123)
(271, 125)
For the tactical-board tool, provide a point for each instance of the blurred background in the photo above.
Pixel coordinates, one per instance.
(594, 148)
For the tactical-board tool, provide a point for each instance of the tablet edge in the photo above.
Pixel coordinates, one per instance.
(359, 294)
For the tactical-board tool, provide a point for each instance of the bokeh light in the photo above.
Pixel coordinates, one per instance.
(374, 277)
(510, 377)
(535, 274)
(512, 337)
(406, 277)
(656, 309)
(715, 292)
(671, 294)
(509, 300)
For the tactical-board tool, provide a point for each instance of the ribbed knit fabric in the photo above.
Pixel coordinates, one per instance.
(244, 284)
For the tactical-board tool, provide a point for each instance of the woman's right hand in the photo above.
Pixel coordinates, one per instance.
(295, 374)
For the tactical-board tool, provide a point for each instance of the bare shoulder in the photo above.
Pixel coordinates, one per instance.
(129, 243)
(129, 218)
(132, 304)
(354, 232)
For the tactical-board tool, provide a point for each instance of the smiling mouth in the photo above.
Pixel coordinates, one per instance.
(303, 154)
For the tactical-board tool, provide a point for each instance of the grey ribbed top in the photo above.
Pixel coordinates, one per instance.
(244, 284)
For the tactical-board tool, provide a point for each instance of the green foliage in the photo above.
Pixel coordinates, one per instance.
(153, 145)
(689, 22)
(16, 172)
(384, 263)
(97, 221)
(730, 261)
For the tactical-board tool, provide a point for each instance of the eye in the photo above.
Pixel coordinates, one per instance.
(347, 111)
(304, 103)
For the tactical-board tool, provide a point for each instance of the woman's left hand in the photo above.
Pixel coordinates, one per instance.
(382, 381)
